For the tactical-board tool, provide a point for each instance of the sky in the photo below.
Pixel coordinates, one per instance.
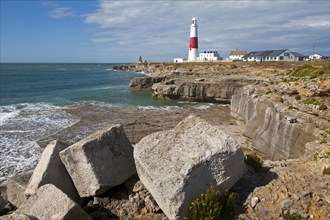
(121, 31)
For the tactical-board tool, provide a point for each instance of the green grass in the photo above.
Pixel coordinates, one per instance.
(310, 71)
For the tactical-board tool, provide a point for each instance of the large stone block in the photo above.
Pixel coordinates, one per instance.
(50, 170)
(16, 186)
(2, 204)
(17, 216)
(100, 161)
(51, 203)
(177, 165)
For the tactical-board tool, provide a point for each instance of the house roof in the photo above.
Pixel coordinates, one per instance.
(238, 52)
(265, 53)
(298, 54)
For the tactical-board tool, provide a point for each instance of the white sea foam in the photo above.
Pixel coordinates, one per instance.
(22, 128)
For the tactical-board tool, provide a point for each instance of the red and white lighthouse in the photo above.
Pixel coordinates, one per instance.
(193, 46)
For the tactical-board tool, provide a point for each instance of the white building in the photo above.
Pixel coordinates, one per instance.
(315, 57)
(178, 60)
(237, 54)
(209, 56)
(272, 55)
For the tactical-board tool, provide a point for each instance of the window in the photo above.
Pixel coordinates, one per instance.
(286, 54)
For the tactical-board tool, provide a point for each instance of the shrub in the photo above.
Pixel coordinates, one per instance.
(211, 205)
(228, 202)
(206, 207)
(311, 101)
(254, 161)
(309, 71)
(322, 141)
(323, 107)
(326, 171)
(298, 97)
(289, 216)
(327, 130)
(315, 156)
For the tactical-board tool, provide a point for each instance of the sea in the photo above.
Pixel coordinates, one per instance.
(33, 96)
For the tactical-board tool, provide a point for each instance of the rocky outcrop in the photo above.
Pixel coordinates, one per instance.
(99, 161)
(144, 83)
(50, 170)
(177, 165)
(16, 186)
(275, 130)
(51, 203)
(220, 90)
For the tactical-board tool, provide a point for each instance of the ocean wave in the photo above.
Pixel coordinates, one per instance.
(21, 128)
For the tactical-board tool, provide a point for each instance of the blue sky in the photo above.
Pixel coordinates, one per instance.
(121, 31)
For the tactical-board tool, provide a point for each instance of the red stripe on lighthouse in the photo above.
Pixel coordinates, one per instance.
(193, 42)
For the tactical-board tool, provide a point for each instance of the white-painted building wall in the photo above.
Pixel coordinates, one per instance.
(284, 56)
(315, 56)
(209, 56)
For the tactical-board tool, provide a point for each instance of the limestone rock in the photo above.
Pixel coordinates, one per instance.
(267, 125)
(50, 170)
(2, 204)
(17, 216)
(51, 203)
(100, 161)
(144, 83)
(177, 165)
(16, 186)
(220, 90)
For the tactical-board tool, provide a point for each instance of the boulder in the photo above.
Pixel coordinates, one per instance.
(16, 186)
(51, 203)
(177, 165)
(2, 204)
(17, 216)
(100, 161)
(50, 170)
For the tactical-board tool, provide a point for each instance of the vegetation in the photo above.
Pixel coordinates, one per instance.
(323, 107)
(326, 171)
(310, 71)
(322, 141)
(289, 216)
(254, 161)
(324, 137)
(327, 130)
(298, 97)
(307, 71)
(311, 101)
(211, 205)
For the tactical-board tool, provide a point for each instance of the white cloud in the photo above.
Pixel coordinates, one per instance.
(60, 12)
(101, 40)
(160, 29)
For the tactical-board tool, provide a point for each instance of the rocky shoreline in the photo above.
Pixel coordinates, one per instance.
(271, 116)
